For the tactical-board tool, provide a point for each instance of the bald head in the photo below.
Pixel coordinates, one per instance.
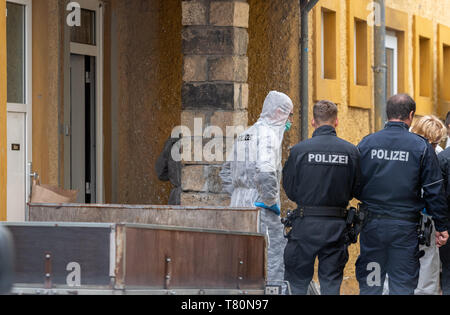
(400, 107)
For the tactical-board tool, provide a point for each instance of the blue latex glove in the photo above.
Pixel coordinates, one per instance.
(273, 208)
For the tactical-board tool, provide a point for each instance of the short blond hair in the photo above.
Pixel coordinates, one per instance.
(430, 127)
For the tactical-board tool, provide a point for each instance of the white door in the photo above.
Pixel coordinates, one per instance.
(392, 64)
(19, 109)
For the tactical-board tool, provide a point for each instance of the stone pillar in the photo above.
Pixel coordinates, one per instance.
(214, 92)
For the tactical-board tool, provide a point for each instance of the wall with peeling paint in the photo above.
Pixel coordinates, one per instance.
(146, 69)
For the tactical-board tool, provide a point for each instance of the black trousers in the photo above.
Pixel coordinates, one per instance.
(392, 247)
(311, 238)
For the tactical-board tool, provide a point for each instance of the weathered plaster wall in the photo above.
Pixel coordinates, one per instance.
(147, 73)
(46, 89)
(354, 123)
(273, 54)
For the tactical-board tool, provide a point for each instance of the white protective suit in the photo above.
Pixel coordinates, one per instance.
(253, 171)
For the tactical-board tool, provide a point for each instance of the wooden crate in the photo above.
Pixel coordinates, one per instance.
(82, 258)
(220, 218)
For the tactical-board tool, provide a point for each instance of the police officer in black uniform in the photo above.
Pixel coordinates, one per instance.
(400, 177)
(321, 176)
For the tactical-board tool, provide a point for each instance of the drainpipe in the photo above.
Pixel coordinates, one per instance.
(380, 67)
(305, 7)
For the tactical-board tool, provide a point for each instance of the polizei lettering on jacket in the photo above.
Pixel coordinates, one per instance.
(328, 158)
(388, 155)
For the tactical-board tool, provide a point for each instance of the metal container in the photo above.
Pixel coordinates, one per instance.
(84, 258)
(220, 218)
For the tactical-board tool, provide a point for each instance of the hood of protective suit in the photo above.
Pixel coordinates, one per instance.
(276, 109)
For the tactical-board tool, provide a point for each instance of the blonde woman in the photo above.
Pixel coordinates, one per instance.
(434, 130)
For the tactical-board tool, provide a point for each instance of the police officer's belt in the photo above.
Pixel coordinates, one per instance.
(307, 211)
(413, 219)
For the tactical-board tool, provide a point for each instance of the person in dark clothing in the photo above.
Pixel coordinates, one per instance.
(321, 176)
(444, 251)
(444, 161)
(400, 178)
(168, 169)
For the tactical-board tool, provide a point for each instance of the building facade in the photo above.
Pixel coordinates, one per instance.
(91, 90)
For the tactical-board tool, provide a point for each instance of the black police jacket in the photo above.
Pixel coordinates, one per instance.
(401, 175)
(322, 171)
(444, 160)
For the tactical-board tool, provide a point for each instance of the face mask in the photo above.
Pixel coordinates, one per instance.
(288, 126)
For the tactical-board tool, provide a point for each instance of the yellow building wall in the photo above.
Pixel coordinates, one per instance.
(444, 70)
(3, 110)
(46, 94)
(355, 123)
(438, 12)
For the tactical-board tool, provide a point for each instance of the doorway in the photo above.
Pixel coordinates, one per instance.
(19, 107)
(82, 127)
(83, 109)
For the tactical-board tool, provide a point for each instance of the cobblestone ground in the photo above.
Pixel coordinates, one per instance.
(350, 284)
